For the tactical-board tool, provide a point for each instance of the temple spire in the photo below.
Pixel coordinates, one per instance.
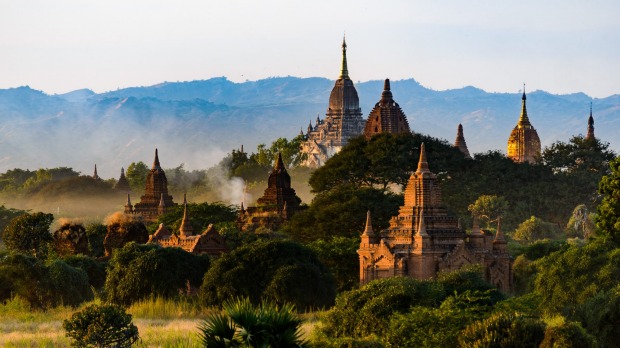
(590, 134)
(186, 228)
(156, 164)
(423, 164)
(460, 141)
(279, 163)
(368, 230)
(524, 121)
(386, 96)
(499, 235)
(475, 230)
(344, 73)
(95, 176)
(422, 225)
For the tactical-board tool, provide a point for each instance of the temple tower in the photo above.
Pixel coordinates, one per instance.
(590, 134)
(343, 120)
(156, 199)
(95, 175)
(524, 143)
(122, 184)
(386, 116)
(460, 143)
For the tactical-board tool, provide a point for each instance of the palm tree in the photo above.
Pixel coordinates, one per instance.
(244, 325)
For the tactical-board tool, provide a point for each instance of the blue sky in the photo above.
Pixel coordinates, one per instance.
(558, 46)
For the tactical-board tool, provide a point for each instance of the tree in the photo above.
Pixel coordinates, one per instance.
(276, 270)
(608, 219)
(8, 214)
(136, 175)
(201, 215)
(140, 271)
(582, 223)
(503, 330)
(29, 233)
(489, 208)
(246, 325)
(578, 154)
(536, 229)
(339, 254)
(567, 334)
(101, 326)
(69, 285)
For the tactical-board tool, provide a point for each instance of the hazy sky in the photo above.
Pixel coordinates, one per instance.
(558, 46)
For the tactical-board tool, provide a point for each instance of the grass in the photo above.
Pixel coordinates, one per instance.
(160, 322)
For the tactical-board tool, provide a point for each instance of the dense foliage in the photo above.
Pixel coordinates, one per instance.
(278, 270)
(139, 271)
(201, 215)
(29, 233)
(101, 326)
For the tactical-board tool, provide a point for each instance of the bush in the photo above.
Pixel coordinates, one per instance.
(567, 335)
(101, 326)
(96, 270)
(139, 271)
(69, 285)
(278, 270)
(503, 330)
(29, 234)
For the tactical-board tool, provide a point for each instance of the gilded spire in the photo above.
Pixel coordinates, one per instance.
(344, 73)
(422, 164)
(186, 228)
(590, 134)
(156, 164)
(524, 121)
(368, 230)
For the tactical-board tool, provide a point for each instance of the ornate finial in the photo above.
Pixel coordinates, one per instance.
(590, 134)
(386, 96)
(156, 164)
(422, 163)
(186, 228)
(422, 226)
(368, 229)
(524, 121)
(279, 163)
(344, 72)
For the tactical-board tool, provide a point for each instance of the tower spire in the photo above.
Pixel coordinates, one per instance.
(524, 121)
(186, 228)
(422, 226)
(460, 141)
(499, 235)
(344, 72)
(422, 163)
(156, 164)
(95, 176)
(368, 230)
(590, 134)
(279, 163)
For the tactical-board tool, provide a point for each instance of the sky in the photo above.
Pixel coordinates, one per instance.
(558, 46)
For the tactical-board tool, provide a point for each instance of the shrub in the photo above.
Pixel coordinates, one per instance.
(69, 285)
(101, 326)
(503, 330)
(96, 270)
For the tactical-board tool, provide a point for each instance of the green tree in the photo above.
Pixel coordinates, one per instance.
(277, 270)
(136, 175)
(339, 254)
(608, 218)
(578, 153)
(489, 208)
(201, 215)
(535, 229)
(567, 334)
(29, 233)
(600, 315)
(503, 330)
(69, 285)
(101, 326)
(96, 234)
(140, 271)
(246, 325)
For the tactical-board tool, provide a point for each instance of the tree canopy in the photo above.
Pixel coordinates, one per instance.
(29, 233)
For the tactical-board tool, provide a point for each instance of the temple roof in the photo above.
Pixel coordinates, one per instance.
(386, 116)
(460, 141)
(422, 162)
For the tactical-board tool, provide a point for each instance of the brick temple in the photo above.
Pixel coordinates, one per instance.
(423, 239)
(386, 116)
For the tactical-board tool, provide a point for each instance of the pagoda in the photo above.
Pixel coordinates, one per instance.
(156, 201)
(423, 239)
(460, 143)
(590, 134)
(386, 116)
(524, 143)
(343, 120)
(122, 184)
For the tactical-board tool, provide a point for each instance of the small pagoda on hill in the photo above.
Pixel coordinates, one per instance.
(277, 205)
(423, 239)
(386, 116)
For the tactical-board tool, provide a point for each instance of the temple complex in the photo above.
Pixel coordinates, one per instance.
(156, 200)
(122, 184)
(423, 239)
(523, 143)
(209, 242)
(386, 116)
(590, 134)
(460, 143)
(277, 205)
(343, 120)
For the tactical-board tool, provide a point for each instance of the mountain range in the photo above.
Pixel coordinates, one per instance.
(196, 123)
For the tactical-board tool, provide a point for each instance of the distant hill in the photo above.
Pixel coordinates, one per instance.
(198, 122)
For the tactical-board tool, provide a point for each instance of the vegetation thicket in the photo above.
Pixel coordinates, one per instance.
(101, 326)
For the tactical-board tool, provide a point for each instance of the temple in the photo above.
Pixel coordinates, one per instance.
(423, 239)
(342, 122)
(590, 134)
(386, 116)
(156, 200)
(209, 242)
(122, 184)
(95, 175)
(460, 143)
(277, 205)
(523, 143)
